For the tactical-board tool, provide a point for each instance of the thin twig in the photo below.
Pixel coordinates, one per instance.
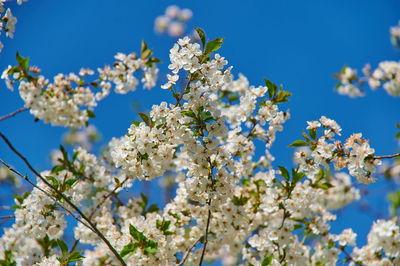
(25, 177)
(105, 197)
(206, 233)
(14, 113)
(188, 252)
(7, 217)
(84, 217)
(387, 156)
(178, 102)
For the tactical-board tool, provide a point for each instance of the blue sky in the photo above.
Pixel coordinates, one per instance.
(299, 44)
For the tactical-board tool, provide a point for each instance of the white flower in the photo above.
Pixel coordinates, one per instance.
(10, 25)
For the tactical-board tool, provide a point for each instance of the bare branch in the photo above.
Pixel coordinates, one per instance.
(7, 217)
(14, 113)
(188, 252)
(387, 156)
(105, 197)
(206, 233)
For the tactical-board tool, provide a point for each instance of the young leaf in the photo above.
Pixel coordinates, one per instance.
(299, 143)
(136, 123)
(202, 36)
(22, 62)
(144, 47)
(272, 88)
(134, 232)
(267, 260)
(145, 118)
(213, 45)
(189, 114)
(282, 96)
(90, 114)
(313, 133)
(284, 172)
(152, 208)
(75, 256)
(63, 247)
(129, 248)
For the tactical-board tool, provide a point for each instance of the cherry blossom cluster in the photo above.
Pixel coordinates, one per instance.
(386, 75)
(7, 21)
(230, 203)
(173, 21)
(355, 154)
(70, 99)
(395, 35)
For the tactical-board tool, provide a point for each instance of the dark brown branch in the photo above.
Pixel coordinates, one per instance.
(7, 217)
(84, 217)
(25, 177)
(206, 233)
(105, 197)
(14, 113)
(387, 156)
(188, 252)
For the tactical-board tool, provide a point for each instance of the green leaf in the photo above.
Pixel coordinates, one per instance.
(53, 180)
(145, 118)
(394, 199)
(246, 182)
(324, 186)
(152, 208)
(299, 143)
(297, 226)
(144, 47)
(165, 226)
(136, 123)
(18, 198)
(189, 113)
(74, 156)
(70, 182)
(272, 88)
(90, 114)
(202, 36)
(397, 135)
(75, 256)
(13, 70)
(64, 153)
(150, 250)
(267, 260)
(213, 45)
(22, 62)
(282, 96)
(134, 232)
(337, 86)
(144, 198)
(63, 247)
(146, 54)
(313, 133)
(284, 172)
(57, 168)
(127, 249)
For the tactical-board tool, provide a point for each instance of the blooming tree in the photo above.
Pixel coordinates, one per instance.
(229, 203)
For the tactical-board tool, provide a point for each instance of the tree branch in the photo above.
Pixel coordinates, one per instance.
(105, 197)
(84, 217)
(387, 156)
(206, 233)
(188, 252)
(14, 113)
(25, 177)
(7, 217)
